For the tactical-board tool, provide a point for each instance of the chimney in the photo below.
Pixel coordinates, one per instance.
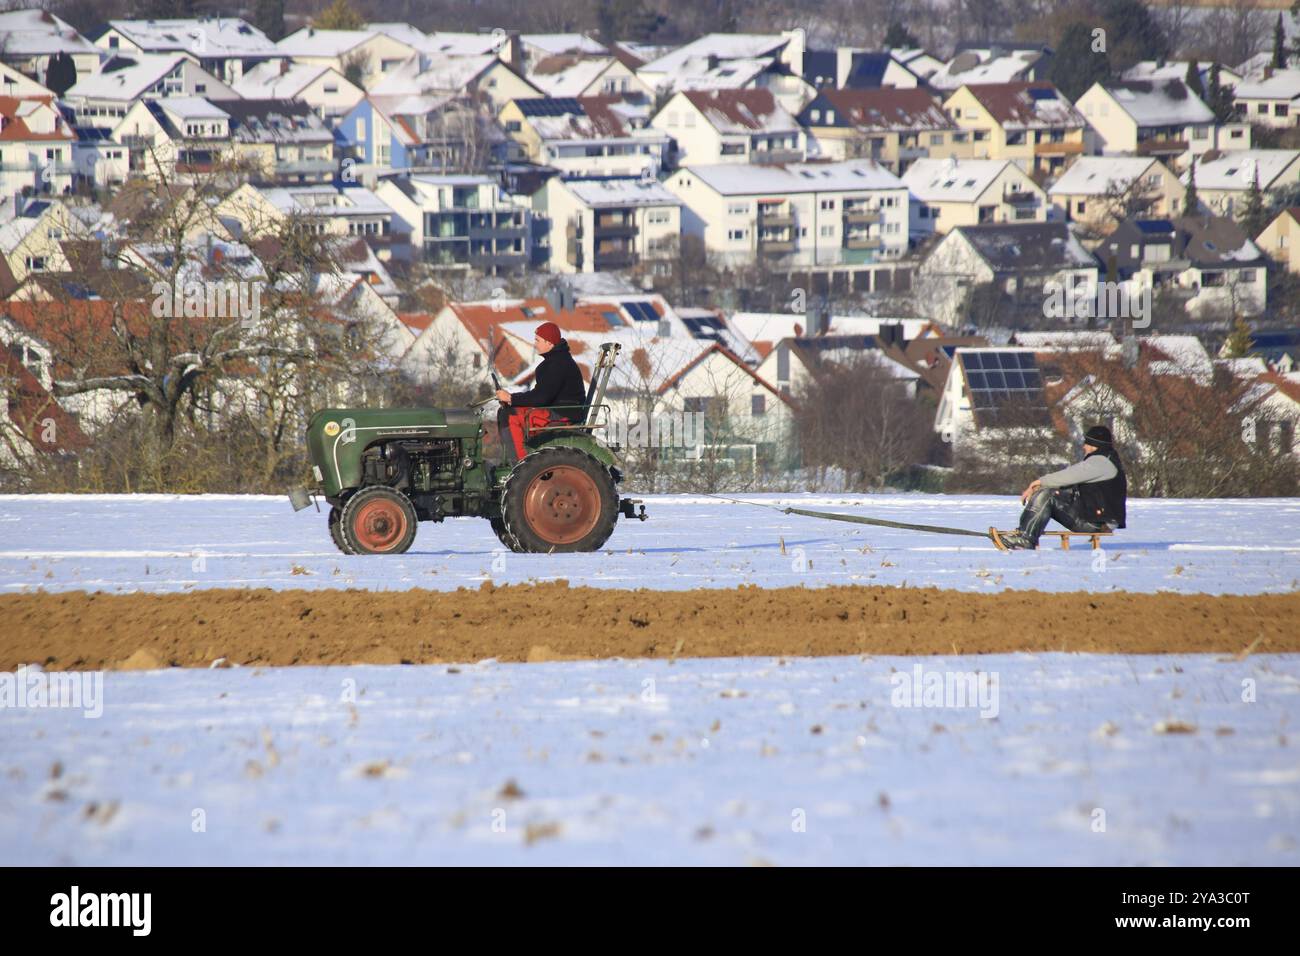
(284, 66)
(1129, 351)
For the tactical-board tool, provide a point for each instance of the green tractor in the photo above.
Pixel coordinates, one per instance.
(383, 470)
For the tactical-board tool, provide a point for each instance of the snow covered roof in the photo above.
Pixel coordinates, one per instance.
(597, 193)
(1027, 105)
(952, 180)
(742, 111)
(38, 33)
(15, 231)
(462, 44)
(694, 56)
(1072, 341)
(1157, 71)
(726, 75)
(208, 37)
(882, 109)
(280, 79)
(568, 76)
(126, 77)
(325, 200)
(552, 44)
(588, 117)
(1099, 175)
(1027, 246)
(1236, 169)
(1282, 85)
(980, 66)
(434, 73)
(192, 107)
(312, 42)
(730, 179)
(1168, 103)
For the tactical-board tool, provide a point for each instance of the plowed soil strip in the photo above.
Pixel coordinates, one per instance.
(77, 630)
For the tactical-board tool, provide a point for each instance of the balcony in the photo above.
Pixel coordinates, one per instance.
(1021, 197)
(775, 247)
(861, 215)
(773, 157)
(1063, 148)
(1152, 147)
(778, 217)
(614, 259)
(861, 242)
(614, 229)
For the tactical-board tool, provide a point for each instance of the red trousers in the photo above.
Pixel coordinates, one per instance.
(536, 419)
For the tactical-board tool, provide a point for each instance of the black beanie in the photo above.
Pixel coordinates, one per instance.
(1099, 436)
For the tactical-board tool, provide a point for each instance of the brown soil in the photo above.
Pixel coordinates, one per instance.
(556, 622)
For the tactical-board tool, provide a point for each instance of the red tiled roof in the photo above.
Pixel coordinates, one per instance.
(747, 108)
(15, 129)
(889, 109)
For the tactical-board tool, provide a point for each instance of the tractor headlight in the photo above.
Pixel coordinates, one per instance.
(315, 470)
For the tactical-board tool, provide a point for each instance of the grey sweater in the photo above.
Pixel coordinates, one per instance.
(1096, 468)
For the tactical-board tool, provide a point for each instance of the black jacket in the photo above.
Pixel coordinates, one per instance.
(1105, 501)
(558, 382)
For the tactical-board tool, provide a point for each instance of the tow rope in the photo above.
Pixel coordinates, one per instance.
(857, 519)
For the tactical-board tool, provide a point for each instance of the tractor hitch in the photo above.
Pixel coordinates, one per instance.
(627, 508)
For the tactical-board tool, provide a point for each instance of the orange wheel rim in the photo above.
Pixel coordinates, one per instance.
(562, 505)
(379, 525)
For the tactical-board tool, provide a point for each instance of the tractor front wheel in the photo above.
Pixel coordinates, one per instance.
(336, 530)
(378, 520)
(559, 499)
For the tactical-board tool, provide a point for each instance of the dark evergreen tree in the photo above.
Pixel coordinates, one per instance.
(1255, 214)
(1191, 201)
(1076, 66)
(268, 16)
(1193, 79)
(898, 37)
(61, 73)
(1279, 44)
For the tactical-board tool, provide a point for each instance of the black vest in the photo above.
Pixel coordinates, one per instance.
(1104, 501)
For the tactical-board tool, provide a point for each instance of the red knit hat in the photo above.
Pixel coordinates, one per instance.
(549, 331)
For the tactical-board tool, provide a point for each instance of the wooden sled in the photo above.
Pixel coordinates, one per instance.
(1093, 536)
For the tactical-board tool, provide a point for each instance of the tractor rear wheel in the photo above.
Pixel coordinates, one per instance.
(336, 530)
(559, 499)
(504, 536)
(378, 520)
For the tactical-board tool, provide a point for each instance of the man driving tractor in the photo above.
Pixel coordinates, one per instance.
(558, 381)
(1088, 496)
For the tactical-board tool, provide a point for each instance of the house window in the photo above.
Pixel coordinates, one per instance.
(758, 405)
(737, 235)
(827, 232)
(1281, 109)
(1246, 275)
(936, 139)
(828, 204)
(36, 263)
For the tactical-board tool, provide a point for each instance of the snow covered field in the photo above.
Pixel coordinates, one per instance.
(1056, 758)
(1089, 760)
(169, 543)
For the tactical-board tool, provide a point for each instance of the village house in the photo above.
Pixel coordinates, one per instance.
(893, 127)
(808, 214)
(730, 126)
(1030, 123)
(947, 193)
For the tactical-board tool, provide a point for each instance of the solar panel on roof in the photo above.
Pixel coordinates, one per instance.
(1003, 382)
(554, 106)
(641, 311)
(1042, 94)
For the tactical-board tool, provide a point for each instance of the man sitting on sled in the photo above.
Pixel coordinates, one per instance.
(1088, 496)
